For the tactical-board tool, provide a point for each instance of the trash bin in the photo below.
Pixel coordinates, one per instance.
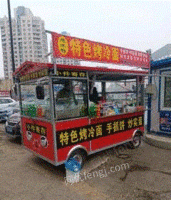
(72, 171)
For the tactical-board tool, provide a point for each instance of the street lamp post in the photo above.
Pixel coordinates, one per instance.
(11, 38)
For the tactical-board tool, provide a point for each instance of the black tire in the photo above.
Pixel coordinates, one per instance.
(136, 142)
(18, 140)
(79, 156)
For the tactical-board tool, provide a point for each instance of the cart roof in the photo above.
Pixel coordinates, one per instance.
(105, 73)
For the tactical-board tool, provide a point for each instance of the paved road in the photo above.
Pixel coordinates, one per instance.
(139, 174)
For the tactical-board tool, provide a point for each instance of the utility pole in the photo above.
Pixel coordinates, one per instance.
(11, 39)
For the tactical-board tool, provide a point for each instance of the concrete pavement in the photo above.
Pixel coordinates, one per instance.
(24, 176)
(158, 141)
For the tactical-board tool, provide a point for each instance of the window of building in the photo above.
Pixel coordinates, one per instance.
(165, 93)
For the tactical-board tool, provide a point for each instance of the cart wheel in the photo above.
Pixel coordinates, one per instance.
(136, 142)
(79, 156)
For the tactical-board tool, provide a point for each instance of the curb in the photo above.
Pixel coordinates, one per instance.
(158, 141)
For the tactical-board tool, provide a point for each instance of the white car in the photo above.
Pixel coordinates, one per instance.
(7, 107)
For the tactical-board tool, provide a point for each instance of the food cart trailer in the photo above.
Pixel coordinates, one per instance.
(69, 111)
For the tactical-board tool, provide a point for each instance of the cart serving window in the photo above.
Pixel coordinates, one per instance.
(31, 106)
(73, 111)
(70, 97)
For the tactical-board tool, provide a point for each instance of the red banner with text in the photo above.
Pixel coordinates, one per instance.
(76, 48)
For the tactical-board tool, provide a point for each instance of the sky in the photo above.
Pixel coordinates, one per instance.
(138, 25)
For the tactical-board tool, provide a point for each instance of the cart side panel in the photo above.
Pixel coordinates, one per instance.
(72, 123)
(112, 140)
(62, 128)
(36, 132)
(116, 117)
(97, 134)
(63, 152)
(116, 129)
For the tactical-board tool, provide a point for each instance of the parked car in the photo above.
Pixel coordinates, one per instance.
(5, 101)
(7, 107)
(12, 126)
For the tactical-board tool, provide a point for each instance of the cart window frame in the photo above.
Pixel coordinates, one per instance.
(84, 95)
(44, 81)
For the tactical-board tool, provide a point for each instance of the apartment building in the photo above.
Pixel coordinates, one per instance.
(29, 39)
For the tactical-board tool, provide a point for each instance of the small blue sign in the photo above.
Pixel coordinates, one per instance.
(165, 121)
(72, 165)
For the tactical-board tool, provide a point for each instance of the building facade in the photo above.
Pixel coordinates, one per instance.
(29, 39)
(5, 85)
(159, 102)
(162, 53)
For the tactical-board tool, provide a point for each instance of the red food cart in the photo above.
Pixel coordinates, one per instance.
(74, 111)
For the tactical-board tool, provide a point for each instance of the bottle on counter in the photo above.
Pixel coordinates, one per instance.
(92, 109)
(98, 109)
